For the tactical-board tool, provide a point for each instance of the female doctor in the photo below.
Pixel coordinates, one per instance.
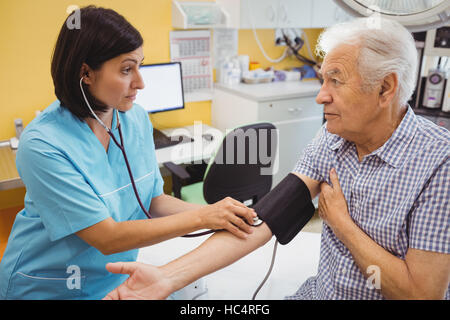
(81, 211)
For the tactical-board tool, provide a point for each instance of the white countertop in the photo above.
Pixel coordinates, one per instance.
(273, 90)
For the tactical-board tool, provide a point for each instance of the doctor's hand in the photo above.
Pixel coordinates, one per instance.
(332, 204)
(228, 214)
(145, 282)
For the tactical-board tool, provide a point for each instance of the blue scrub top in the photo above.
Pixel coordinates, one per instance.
(73, 183)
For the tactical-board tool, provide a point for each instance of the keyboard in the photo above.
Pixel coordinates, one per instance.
(163, 141)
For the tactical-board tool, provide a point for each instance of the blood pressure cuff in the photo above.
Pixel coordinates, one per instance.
(286, 209)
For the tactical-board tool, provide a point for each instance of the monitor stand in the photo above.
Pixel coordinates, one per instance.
(163, 141)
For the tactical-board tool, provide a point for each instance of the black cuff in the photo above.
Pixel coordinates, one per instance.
(287, 208)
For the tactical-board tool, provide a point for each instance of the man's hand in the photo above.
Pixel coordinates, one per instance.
(145, 282)
(332, 204)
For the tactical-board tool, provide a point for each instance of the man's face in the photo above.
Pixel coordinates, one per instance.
(348, 110)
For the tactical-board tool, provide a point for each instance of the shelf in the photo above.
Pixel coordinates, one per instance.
(198, 15)
(423, 111)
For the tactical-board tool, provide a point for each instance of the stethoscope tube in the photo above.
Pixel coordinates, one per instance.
(121, 146)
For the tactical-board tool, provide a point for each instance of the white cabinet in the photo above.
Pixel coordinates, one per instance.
(271, 14)
(198, 15)
(259, 13)
(268, 14)
(326, 13)
(290, 106)
(294, 13)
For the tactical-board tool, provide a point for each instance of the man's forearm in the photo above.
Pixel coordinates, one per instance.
(219, 251)
(394, 276)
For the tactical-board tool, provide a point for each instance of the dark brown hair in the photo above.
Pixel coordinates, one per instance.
(102, 34)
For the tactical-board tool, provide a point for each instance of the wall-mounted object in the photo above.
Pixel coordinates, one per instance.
(438, 42)
(198, 15)
(414, 15)
(272, 14)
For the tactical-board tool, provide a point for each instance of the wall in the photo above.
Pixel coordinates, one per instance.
(28, 32)
(29, 29)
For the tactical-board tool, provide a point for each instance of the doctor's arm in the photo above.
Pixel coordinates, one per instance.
(149, 282)
(110, 236)
(166, 205)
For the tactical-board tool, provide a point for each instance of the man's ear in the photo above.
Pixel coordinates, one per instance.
(388, 90)
(86, 73)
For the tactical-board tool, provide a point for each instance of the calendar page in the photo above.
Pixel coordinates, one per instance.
(193, 50)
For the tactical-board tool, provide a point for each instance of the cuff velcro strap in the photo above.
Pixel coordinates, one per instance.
(287, 208)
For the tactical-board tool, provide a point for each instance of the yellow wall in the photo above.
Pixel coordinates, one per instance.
(28, 31)
(247, 45)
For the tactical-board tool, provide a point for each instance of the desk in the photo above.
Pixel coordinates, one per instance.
(294, 263)
(197, 151)
(9, 177)
(193, 152)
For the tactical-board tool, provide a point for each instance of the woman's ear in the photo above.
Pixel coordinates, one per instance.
(86, 73)
(389, 88)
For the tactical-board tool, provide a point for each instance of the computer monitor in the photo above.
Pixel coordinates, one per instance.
(163, 87)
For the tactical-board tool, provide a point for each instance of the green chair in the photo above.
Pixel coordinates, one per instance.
(241, 168)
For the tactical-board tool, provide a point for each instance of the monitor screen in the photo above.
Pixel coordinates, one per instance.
(163, 87)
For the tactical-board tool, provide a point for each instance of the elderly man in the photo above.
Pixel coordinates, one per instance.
(383, 177)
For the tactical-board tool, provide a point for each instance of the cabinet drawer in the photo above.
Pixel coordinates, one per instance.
(280, 110)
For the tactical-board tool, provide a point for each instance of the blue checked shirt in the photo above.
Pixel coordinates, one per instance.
(398, 195)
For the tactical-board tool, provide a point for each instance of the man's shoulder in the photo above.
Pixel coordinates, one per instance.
(432, 137)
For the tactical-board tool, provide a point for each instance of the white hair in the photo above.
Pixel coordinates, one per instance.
(385, 47)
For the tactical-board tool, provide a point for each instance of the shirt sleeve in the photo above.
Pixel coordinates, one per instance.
(430, 217)
(313, 157)
(56, 191)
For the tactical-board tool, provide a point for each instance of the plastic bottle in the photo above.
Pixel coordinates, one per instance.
(235, 72)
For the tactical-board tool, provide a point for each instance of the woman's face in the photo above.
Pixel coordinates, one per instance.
(117, 82)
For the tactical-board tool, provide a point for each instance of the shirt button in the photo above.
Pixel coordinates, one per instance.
(343, 270)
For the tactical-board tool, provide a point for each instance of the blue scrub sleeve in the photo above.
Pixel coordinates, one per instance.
(57, 192)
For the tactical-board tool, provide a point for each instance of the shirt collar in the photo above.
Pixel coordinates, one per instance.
(334, 141)
(394, 148)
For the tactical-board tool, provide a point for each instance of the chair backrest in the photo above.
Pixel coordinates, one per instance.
(242, 166)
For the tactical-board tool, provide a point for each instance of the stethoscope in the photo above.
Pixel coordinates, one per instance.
(121, 146)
